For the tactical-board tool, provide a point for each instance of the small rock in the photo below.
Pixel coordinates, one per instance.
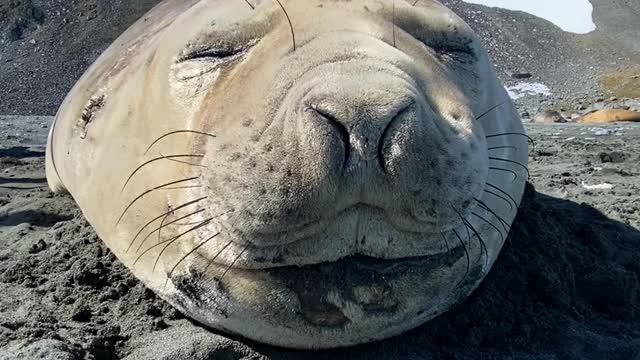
(82, 314)
(38, 247)
(612, 157)
(154, 311)
(32, 41)
(159, 324)
(520, 75)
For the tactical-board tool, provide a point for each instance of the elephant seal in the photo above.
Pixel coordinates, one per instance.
(549, 117)
(304, 173)
(609, 116)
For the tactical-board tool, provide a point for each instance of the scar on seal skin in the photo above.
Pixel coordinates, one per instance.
(89, 112)
(304, 173)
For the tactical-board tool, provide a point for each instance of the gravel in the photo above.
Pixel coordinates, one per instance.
(565, 285)
(45, 45)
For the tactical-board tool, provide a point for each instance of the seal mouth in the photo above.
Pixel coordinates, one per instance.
(303, 231)
(312, 227)
(393, 267)
(373, 248)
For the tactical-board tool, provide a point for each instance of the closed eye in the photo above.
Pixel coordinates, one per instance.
(460, 55)
(195, 62)
(215, 53)
(455, 43)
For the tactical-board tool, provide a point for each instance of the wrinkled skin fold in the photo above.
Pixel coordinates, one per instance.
(309, 174)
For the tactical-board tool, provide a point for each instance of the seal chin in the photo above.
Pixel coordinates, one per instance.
(339, 303)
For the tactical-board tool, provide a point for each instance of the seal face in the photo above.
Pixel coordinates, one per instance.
(309, 174)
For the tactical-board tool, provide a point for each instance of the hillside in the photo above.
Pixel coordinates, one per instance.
(45, 45)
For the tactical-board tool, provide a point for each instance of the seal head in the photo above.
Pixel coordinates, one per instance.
(309, 174)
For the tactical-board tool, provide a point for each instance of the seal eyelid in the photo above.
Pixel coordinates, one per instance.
(444, 47)
(462, 53)
(213, 53)
(219, 52)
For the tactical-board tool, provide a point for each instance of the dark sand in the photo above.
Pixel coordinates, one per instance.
(564, 287)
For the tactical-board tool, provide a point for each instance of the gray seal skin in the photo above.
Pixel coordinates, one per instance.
(304, 173)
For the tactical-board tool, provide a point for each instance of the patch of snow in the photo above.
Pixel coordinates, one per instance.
(524, 89)
(603, 186)
(598, 131)
(602, 132)
(574, 16)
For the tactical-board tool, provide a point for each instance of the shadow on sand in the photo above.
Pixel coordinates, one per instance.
(20, 152)
(33, 217)
(23, 183)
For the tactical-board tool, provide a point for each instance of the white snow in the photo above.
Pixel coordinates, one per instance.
(603, 186)
(523, 89)
(574, 16)
(599, 131)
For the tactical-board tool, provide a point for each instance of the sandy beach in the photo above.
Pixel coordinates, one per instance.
(564, 287)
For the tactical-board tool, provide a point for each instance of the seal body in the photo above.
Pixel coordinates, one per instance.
(609, 116)
(309, 174)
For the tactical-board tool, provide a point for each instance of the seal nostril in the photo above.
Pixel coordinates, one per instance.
(381, 146)
(342, 130)
(383, 136)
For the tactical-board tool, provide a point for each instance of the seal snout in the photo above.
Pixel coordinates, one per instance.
(360, 115)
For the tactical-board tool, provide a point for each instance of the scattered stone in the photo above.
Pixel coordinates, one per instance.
(159, 324)
(521, 75)
(82, 314)
(612, 157)
(38, 247)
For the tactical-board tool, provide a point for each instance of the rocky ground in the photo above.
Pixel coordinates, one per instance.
(45, 45)
(578, 68)
(564, 287)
